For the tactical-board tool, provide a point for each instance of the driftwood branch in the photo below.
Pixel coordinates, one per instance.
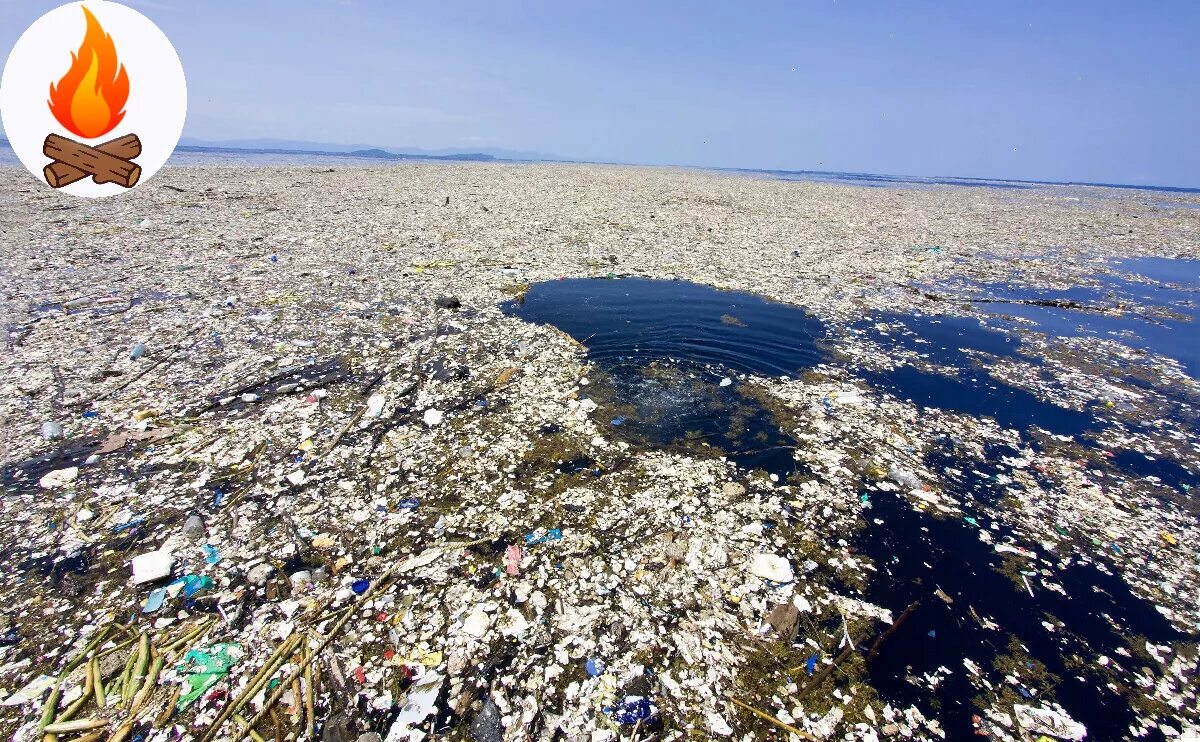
(895, 625)
(1036, 302)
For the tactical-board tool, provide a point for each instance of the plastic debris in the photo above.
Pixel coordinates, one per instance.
(1064, 447)
(32, 691)
(59, 478)
(418, 705)
(632, 709)
(487, 725)
(204, 668)
(152, 566)
(784, 619)
(155, 600)
(771, 567)
(193, 528)
(541, 536)
(476, 623)
(211, 554)
(193, 584)
(1052, 721)
(512, 560)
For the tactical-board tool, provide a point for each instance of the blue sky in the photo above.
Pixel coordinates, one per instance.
(1062, 90)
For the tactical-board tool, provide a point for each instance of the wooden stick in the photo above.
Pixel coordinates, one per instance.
(139, 670)
(767, 717)
(168, 710)
(102, 166)
(98, 685)
(263, 678)
(51, 706)
(189, 636)
(77, 706)
(895, 625)
(309, 715)
(117, 648)
(148, 686)
(59, 174)
(50, 709)
(122, 732)
(253, 734)
(82, 725)
(166, 357)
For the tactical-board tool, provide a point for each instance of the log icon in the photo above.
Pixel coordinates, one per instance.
(110, 162)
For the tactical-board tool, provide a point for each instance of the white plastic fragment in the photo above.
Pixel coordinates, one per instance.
(151, 566)
(477, 623)
(418, 705)
(771, 567)
(1048, 720)
(59, 477)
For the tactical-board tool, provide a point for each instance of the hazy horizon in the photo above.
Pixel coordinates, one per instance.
(1096, 92)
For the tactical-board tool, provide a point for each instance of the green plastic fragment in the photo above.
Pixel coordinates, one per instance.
(205, 668)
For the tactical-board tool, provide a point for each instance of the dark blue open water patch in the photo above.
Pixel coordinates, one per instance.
(1167, 472)
(664, 352)
(974, 392)
(1182, 271)
(629, 324)
(917, 554)
(633, 321)
(956, 342)
(1156, 308)
(944, 338)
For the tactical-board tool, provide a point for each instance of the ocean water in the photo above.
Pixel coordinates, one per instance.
(875, 180)
(661, 349)
(1152, 304)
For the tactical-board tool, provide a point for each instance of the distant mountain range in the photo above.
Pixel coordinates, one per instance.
(292, 146)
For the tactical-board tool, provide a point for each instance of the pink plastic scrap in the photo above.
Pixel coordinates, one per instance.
(512, 560)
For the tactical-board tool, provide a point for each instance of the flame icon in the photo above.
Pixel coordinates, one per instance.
(90, 98)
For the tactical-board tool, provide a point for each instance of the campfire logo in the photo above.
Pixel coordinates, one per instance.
(93, 98)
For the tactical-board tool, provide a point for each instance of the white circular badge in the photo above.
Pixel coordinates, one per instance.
(93, 98)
